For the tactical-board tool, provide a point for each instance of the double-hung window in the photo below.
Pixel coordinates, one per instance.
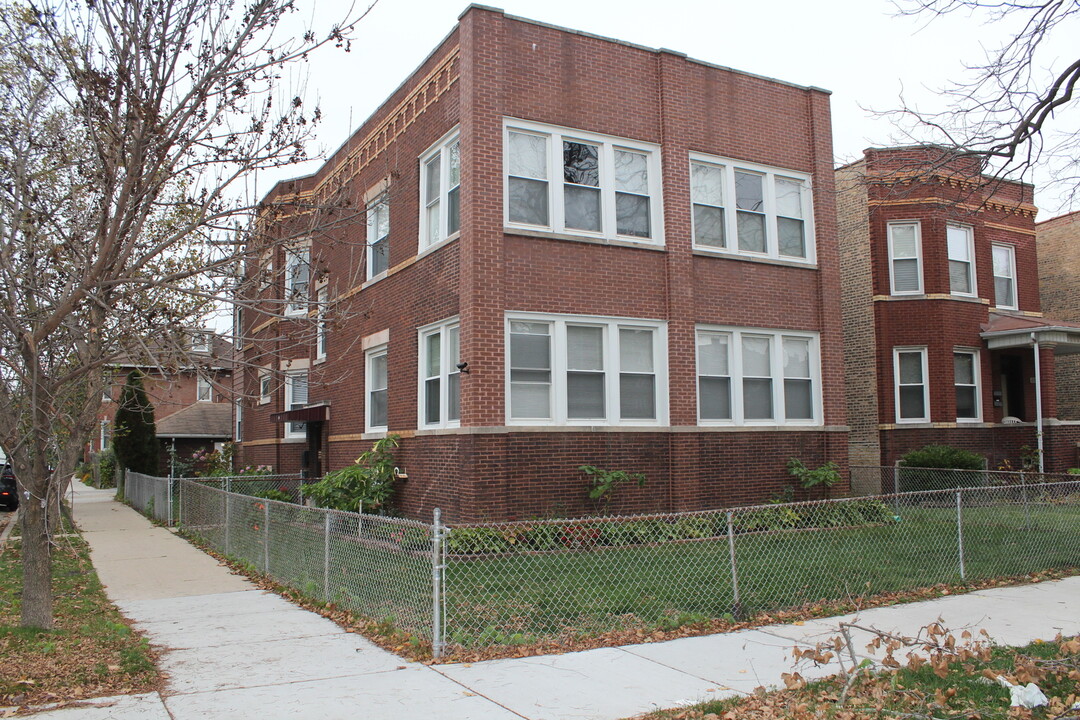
(905, 258)
(376, 384)
(580, 183)
(961, 260)
(1005, 276)
(378, 242)
(440, 191)
(912, 390)
(204, 389)
(266, 386)
(966, 380)
(238, 432)
(320, 326)
(296, 396)
(751, 210)
(440, 378)
(757, 377)
(565, 369)
(297, 279)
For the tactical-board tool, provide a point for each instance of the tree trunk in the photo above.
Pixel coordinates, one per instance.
(37, 593)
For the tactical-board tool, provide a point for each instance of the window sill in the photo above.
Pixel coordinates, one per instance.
(319, 360)
(293, 440)
(763, 259)
(374, 434)
(435, 246)
(931, 296)
(375, 278)
(654, 245)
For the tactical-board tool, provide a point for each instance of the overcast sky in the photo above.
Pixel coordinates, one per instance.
(860, 50)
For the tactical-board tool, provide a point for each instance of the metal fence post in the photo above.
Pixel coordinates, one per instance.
(960, 535)
(266, 537)
(736, 606)
(436, 585)
(326, 556)
(169, 504)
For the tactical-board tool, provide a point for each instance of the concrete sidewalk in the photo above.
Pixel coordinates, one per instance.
(233, 651)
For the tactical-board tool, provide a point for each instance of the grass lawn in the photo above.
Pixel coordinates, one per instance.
(91, 652)
(957, 686)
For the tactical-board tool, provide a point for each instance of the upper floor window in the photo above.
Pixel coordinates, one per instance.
(752, 376)
(376, 383)
(200, 341)
(1005, 276)
(266, 386)
(751, 209)
(581, 183)
(440, 378)
(238, 433)
(587, 371)
(204, 390)
(912, 391)
(297, 279)
(320, 326)
(296, 396)
(378, 241)
(905, 258)
(961, 260)
(966, 381)
(440, 191)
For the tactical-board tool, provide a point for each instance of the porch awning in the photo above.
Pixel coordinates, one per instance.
(1009, 331)
(315, 413)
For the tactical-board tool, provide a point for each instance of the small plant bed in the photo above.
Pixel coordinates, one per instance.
(948, 683)
(91, 652)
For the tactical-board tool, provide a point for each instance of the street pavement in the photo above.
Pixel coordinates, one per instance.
(233, 651)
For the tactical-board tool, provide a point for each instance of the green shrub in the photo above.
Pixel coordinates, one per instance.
(274, 494)
(106, 462)
(364, 486)
(938, 467)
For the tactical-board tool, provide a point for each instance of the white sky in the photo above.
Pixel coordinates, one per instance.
(858, 49)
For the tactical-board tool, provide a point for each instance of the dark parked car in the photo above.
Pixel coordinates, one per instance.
(9, 497)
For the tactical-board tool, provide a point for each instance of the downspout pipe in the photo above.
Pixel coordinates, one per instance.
(1038, 400)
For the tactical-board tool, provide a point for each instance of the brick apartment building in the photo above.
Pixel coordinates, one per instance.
(192, 398)
(942, 315)
(562, 250)
(1058, 240)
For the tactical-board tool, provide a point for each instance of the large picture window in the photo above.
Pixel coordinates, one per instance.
(440, 378)
(566, 369)
(905, 258)
(580, 183)
(757, 377)
(750, 209)
(440, 191)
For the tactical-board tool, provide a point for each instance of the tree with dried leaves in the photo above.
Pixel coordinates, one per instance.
(1018, 108)
(127, 129)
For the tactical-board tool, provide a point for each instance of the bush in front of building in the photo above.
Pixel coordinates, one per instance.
(941, 467)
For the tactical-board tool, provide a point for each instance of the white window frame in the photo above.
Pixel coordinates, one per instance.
(291, 431)
(1011, 250)
(200, 341)
(612, 369)
(728, 167)
(977, 377)
(203, 386)
(296, 300)
(380, 206)
(897, 351)
(447, 370)
(379, 351)
(972, 277)
(918, 257)
(266, 390)
(104, 435)
(238, 431)
(554, 137)
(322, 296)
(433, 236)
(735, 336)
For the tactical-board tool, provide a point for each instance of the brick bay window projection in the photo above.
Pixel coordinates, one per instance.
(905, 258)
(575, 370)
(296, 396)
(912, 396)
(440, 378)
(961, 260)
(966, 380)
(581, 184)
(376, 384)
(440, 191)
(1005, 276)
(757, 377)
(750, 209)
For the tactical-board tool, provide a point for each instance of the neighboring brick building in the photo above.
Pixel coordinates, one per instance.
(630, 255)
(941, 307)
(1059, 284)
(191, 394)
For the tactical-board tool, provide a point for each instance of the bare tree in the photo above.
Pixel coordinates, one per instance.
(127, 129)
(1017, 109)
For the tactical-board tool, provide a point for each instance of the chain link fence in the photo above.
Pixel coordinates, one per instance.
(899, 479)
(159, 497)
(468, 586)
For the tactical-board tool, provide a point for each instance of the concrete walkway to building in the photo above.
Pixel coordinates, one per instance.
(233, 651)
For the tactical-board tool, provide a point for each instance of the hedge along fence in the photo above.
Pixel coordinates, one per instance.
(480, 585)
